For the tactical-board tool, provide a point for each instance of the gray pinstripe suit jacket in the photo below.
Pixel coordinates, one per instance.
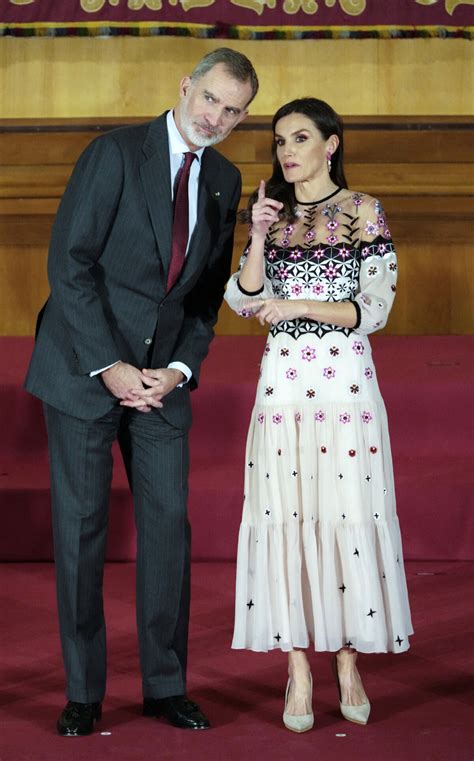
(108, 260)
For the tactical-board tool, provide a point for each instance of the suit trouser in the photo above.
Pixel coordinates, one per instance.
(156, 458)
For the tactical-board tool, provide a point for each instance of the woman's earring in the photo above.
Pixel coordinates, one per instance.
(328, 158)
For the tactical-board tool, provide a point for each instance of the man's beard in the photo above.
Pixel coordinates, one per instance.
(195, 137)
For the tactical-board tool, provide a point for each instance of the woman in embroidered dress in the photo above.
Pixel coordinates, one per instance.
(319, 555)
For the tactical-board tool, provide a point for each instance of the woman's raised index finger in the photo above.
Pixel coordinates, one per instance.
(261, 190)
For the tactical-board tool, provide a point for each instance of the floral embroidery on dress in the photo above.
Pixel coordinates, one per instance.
(308, 353)
(366, 417)
(358, 347)
(277, 418)
(291, 373)
(345, 418)
(329, 372)
(320, 416)
(260, 417)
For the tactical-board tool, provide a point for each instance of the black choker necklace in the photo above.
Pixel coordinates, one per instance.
(320, 200)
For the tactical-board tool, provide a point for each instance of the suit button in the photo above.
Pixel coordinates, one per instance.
(148, 341)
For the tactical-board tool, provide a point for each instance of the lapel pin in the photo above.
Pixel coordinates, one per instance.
(217, 193)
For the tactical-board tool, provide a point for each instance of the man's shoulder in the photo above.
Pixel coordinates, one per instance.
(127, 137)
(217, 159)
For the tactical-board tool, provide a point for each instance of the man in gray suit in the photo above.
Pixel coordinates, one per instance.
(119, 345)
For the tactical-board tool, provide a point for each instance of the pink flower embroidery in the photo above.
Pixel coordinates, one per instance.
(320, 416)
(358, 347)
(330, 271)
(308, 353)
(371, 228)
(345, 418)
(332, 225)
(271, 255)
(260, 417)
(366, 417)
(318, 288)
(266, 349)
(329, 372)
(368, 372)
(309, 236)
(298, 417)
(291, 373)
(277, 418)
(296, 289)
(344, 252)
(365, 252)
(332, 239)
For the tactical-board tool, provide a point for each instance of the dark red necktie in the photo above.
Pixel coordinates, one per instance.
(180, 221)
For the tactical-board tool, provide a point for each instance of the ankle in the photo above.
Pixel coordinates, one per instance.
(298, 665)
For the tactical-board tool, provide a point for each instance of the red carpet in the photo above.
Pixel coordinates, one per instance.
(421, 707)
(426, 382)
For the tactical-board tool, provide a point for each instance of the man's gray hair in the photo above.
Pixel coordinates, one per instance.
(237, 65)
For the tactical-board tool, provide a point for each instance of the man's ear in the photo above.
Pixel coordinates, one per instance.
(184, 86)
(242, 116)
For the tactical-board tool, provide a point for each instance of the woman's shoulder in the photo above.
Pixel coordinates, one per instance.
(363, 202)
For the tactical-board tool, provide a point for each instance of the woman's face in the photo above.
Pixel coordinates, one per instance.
(301, 148)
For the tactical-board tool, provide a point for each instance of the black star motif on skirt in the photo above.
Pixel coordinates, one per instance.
(343, 516)
(342, 588)
(356, 552)
(277, 636)
(267, 512)
(250, 464)
(250, 604)
(295, 514)
(371, 613)
(267, 475)
(367, 478)
(348, 643)
(376, 516)
(399, 641)
(340, 476)
(295, 473)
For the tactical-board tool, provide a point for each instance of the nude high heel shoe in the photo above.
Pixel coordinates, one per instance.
(301, 723)
(356, 714)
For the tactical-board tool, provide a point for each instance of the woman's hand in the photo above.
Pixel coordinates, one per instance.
(264, 212)
(276, 310)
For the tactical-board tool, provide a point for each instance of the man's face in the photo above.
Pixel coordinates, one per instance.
(210, 107)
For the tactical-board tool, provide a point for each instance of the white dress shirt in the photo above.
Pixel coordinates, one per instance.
(177, 149)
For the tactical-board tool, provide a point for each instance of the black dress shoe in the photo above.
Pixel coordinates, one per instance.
(178, 710)
(78, 719)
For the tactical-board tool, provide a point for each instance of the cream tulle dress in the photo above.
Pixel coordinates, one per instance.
(319, 553)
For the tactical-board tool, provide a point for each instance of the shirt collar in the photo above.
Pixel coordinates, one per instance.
(177, 144)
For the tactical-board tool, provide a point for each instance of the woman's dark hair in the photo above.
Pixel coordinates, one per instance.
(328, 123)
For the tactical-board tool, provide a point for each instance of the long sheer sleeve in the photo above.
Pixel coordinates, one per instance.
(240, 300)
(378, 272)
